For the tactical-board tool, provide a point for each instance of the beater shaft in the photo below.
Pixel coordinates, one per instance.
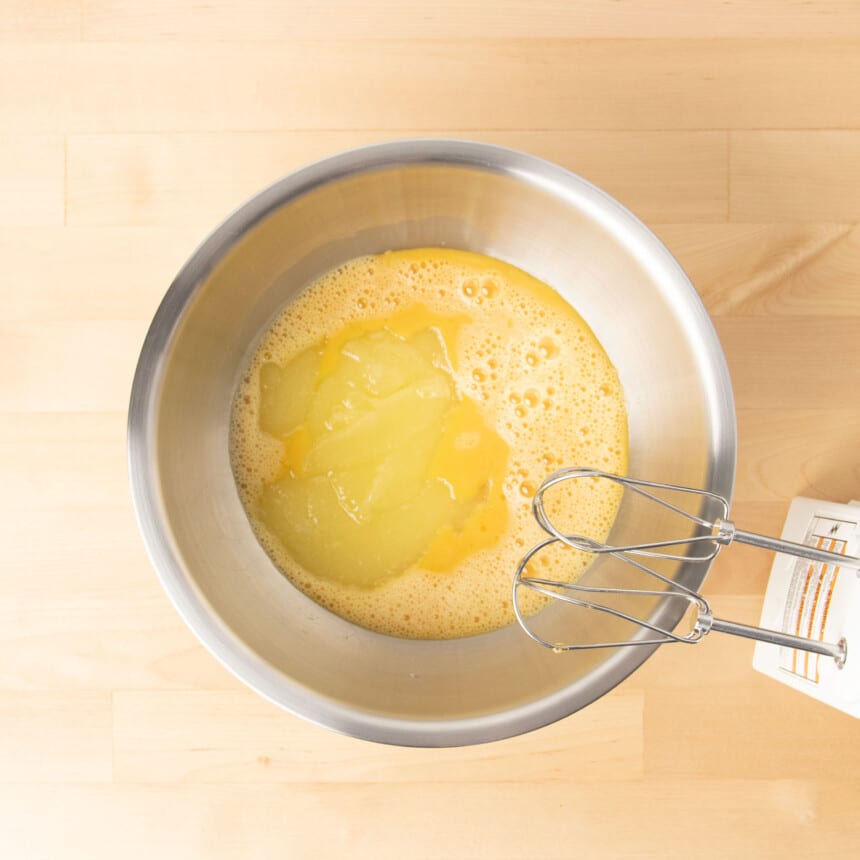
(838, 650)
(798, 550)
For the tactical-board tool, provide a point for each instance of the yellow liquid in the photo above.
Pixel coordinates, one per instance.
(395, 423)
(384, 464)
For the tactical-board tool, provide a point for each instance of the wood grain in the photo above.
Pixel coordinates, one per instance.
(71, 274)
(546, 84)
(47, 460)
(756, 348)
(796, 452)
(47, 20)
(236, 737)
(802, 270)
(121, 638)
(680, 754)
(795, 176)
(67, 366)
(483, 822)
(32, 175)
(269, 20)
(128, 130)
(55, 737)
(171, 179)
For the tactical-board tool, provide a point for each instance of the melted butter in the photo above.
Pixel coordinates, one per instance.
(384, 464)
(394, 423)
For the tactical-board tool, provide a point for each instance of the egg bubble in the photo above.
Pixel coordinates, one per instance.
(522, 349)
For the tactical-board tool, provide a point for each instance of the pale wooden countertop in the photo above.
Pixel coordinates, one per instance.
(128, 129)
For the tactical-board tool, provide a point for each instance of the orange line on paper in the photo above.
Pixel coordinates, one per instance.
(828, 598)
(809, 572)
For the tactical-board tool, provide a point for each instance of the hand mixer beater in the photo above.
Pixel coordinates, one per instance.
(710, 535)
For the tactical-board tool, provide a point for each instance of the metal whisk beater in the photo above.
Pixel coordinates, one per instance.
(702, 548)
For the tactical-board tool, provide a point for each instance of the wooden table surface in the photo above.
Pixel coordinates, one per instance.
(128, 130)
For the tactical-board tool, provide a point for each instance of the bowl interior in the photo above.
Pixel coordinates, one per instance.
(507, 205)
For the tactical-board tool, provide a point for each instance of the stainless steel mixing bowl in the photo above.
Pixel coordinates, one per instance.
(406, 194)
